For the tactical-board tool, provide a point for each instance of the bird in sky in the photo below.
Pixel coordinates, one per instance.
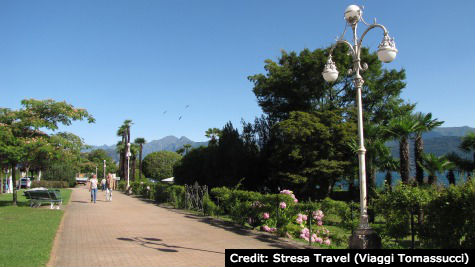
(179, 118)
(164, 112)
(187, 106)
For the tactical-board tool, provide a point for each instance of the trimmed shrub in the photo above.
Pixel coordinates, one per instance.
(50, 184)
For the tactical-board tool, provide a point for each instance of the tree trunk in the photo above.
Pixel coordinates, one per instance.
(432, 179)
(133, 169)
(14, 184)
(451, 177)
(418, 152)
(404, 159)
(140, 162)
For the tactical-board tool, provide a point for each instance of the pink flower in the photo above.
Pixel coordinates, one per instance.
(318, 215)
(314, 238)
(305, 232)
(304, 217)
(266, 228)
(265, 215)
(303, 237)
(327, 242)
(273, 229)
(286, 192)
(299, 220)
(319, 240)
(283, 205)
(320, 223)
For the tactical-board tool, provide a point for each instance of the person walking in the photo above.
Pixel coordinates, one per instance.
(93, 188)
(103, 184)
(109, 188)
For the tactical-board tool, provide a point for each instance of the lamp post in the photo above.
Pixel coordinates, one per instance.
(364, 237)
(128, 155)
(104, 169)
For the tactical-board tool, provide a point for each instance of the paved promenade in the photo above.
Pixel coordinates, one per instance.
(131, 232)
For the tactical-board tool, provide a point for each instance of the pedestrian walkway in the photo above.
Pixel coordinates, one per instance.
(131, 232)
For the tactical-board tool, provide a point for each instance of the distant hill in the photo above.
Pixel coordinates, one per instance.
(439, 141)
(169, 143)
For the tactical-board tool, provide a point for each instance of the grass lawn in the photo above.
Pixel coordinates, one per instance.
(27, 234)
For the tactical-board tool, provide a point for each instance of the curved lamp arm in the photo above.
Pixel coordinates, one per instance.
(370, 27)
(352, 50)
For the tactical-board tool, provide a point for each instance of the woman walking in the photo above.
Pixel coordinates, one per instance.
(109, 188)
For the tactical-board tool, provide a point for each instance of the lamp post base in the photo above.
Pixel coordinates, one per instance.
(365, 239)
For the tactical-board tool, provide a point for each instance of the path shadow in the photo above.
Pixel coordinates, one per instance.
(270, 239)
(157, 244)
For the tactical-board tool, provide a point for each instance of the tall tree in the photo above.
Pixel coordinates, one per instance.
(25, 123)
(124, 133)
(402, 128)
(140, 141)
(313, 152)
(187, 148)
(213, 134)
(294, 83)
(425, 124)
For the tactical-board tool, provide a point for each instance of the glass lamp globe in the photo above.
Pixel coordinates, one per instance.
(353, 14)
(387, 49)
(330, 73)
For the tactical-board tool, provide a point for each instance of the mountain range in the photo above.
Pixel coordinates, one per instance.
(439, 141)
(169, 143)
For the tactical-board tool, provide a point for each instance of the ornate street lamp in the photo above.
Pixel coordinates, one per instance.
(364, 236)
(104, 169)
(128, 155)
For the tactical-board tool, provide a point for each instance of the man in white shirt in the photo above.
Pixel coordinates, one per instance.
(93, 188)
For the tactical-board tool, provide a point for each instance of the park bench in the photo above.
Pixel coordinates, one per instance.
(40, 196)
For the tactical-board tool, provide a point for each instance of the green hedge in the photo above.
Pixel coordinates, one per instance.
(443, 216)
(159, 192)
(50, 184)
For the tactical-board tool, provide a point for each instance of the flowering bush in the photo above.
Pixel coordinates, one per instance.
(319, 233)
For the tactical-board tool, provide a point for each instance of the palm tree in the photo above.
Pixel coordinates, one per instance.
(187, 148)
(402, 128)
(468, 145)
(389, 164)
(461, 165)
(140, 141)
(426, 123)
(124, 132)
(134, 150)
(213, 134)
(433, 164)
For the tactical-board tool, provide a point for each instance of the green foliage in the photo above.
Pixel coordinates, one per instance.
(61, 171)
(159, 165)
(225, 163)
(51, 184)
(159, 192)
(95, 158)
(347, 212)
(313, 151)
(396, 206)
(450, 217)
(446, 215)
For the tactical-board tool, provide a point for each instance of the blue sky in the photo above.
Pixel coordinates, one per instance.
(136, 59)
